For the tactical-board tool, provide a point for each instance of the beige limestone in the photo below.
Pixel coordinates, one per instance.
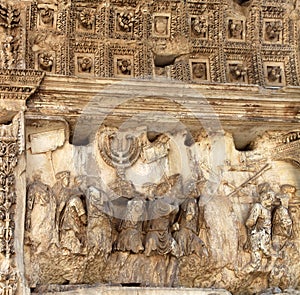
(151, 144)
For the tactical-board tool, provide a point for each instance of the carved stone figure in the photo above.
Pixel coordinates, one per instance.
(188, 230)
(282, 222)
(40, 216)
(61, 192)
(99, 227)
(282, 232)
(72, 225)
(123, 188)
(130, 237)
(259, 226)
(158, 238)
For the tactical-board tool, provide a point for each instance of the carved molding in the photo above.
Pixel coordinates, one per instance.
(289, 149)
(19, 84)
(237, 106)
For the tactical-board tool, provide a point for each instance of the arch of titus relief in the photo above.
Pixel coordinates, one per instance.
(149, 147)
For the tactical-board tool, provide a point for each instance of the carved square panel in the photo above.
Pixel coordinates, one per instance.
(46, 16)
(161, 25)
(200, 70)
(85, 20)
(123, 66)
(45, 61)
(124, 22)
(235, 29)
(84, 64)
(274, 73)
(199, 27)
(272, 31)
(237, 72)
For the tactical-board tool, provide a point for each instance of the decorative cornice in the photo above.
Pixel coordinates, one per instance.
(235, 106)
(19, 84)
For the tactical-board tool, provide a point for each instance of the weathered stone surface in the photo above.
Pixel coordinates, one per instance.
(149, 144)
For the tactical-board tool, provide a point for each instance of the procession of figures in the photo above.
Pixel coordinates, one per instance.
(77, 219)
(69, 217)
(168, 228)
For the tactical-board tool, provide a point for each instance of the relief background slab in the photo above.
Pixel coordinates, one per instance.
(149, 143)
(200, 151)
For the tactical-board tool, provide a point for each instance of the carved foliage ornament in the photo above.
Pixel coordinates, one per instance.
(45, 61)
(199, 26)
(237, 72)
(47, 15)
(86, 18)
(10, 21)
(124, 66)
(273, 31)
(9, 16)
(9, 151)
(125, 21)
(85, 64)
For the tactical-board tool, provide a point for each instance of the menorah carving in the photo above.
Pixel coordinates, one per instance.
(119, 149)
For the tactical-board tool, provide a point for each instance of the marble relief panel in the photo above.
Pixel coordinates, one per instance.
(132, 201)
